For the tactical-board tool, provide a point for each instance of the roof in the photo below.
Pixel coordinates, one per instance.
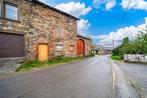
(98, 47)
(50, 7)
(108, 48)
(83, 36)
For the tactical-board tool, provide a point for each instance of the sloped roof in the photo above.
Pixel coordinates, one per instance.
(83, 36)
(108, 48)
(50, 7)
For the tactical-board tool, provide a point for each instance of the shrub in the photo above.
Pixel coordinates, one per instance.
(118, 57)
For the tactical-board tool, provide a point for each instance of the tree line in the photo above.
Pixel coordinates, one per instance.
(136, 46)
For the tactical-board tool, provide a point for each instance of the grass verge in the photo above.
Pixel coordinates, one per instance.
(28, 65)
(117, 57)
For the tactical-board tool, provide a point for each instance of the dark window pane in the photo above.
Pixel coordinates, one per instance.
(11, 12)
(12, 1)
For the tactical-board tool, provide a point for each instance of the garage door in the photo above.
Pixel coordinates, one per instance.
(11, 45)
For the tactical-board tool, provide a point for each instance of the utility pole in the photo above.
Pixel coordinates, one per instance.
(113, 42)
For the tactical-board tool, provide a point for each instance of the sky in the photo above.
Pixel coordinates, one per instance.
(106, 20)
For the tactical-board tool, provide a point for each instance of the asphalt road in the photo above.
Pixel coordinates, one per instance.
(137, 74)
(95, 77)
(90, 78)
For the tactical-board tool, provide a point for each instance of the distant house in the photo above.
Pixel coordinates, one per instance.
(31, 30)
(98, 49)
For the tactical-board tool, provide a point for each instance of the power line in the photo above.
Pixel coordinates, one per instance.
(125, 13)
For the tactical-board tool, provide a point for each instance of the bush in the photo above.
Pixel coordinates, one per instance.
(27, 65)
(137, 46)
(118, 57)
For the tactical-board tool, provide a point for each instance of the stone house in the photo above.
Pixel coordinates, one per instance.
(30, 29)
(34, 30)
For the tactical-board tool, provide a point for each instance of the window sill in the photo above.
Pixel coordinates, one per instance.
(10, 19)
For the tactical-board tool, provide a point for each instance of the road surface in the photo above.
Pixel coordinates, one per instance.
(95, 77)
(137, 74)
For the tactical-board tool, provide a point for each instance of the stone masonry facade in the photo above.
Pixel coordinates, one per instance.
(41, 24)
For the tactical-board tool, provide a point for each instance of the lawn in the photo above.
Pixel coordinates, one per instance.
(28, 65)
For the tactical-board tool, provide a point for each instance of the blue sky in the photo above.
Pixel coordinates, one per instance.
(101, 19)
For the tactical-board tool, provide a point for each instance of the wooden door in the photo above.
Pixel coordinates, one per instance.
(43, 52)
(80, 47)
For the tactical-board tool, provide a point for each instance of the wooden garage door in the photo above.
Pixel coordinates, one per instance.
(11, 45)
(80, 47)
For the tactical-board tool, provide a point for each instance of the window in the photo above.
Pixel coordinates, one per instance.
(11, 12)
(9, 9)
(59, 47)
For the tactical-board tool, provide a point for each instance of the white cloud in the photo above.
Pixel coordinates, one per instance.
(131, 32)
(75, 8)
(83, 26)
(110, 4)
(135, 4)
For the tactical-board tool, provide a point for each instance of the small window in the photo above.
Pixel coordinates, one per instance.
(11, 12)
(59, 47)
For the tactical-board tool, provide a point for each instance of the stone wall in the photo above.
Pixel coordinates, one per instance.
(40, 24)
(135, 58)
(88, 43)
(10, 65)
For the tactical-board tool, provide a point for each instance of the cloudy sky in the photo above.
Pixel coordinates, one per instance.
(106, 20)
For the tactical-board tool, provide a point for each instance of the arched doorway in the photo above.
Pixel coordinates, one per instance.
(43, 52)
(80, 47)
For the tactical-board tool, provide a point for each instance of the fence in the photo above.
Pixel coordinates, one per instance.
(140, 58)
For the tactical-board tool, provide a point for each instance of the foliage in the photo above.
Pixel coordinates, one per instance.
(137, 46)
(27, 65)
(118, 57)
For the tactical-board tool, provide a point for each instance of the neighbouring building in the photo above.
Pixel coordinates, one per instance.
(31, 30)
(84, 45)
(98, 49)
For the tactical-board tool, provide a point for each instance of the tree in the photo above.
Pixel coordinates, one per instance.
(126, 40)
(137, 46)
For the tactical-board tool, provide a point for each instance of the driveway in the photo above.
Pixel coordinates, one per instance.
(89, 78)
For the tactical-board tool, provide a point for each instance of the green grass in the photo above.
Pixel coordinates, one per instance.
(117, 57)
(28, 65)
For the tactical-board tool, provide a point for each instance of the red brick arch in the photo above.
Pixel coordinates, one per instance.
(80, 47)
